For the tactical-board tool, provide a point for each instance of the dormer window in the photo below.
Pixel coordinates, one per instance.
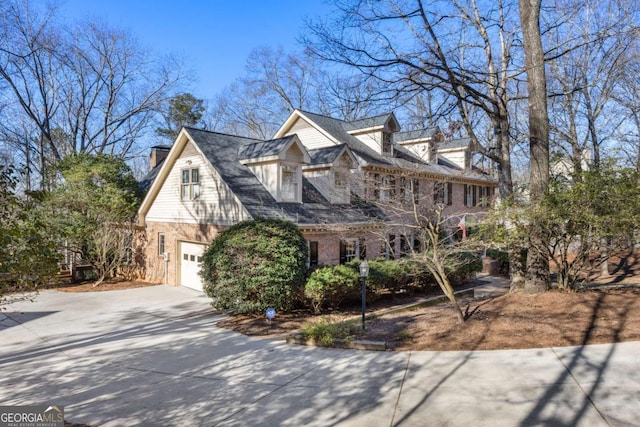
(387, 143)
(190, 184)
(341, 180)
(290, 179)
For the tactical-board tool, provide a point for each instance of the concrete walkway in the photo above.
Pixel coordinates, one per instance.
(154, 357)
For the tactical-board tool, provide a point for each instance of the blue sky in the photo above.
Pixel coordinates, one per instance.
(214, 37)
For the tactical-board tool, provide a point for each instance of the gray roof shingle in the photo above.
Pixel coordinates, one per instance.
(222, 152)
(458, 143)
(259, 149)
(402, 157)
(367, 122)
(326, 155)
(415, 134)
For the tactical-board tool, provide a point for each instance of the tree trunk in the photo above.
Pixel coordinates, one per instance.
(604, 254)
(537, 278)
(516, 269)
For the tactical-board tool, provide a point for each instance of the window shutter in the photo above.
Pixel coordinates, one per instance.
(416, 190)
(313, 253)
(343, 252)
(376, 186)
(475, 200)
(466, 193)
(363, 249)
(392, 190)
(449, 193)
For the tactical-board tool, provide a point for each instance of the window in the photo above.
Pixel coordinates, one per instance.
(405, 190)
(470, 195)
(349, 249)
(417, 245)
(313, 254)
(485, 196)
(439, 196)
(387, 143)
(389, 247)
(341, 180)
(384, 189)
(482, 195)
(190, 184)
(405, 245)
(376, 186)
(161, 244)
(443, 193)
(289, 183)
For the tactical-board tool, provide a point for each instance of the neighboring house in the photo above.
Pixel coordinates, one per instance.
(338, 181)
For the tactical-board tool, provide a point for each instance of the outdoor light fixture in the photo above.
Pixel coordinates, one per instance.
(364, 273)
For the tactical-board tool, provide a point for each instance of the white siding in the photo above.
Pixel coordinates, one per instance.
(458, 157)
(216, 204)
(310, 137)
(373, 140)
(294, 154)
(267, 174)
(421, 150)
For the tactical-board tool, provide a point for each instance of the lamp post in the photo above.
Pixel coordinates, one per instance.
(364, 273)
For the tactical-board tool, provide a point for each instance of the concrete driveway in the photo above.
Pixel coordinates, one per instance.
(154, 356)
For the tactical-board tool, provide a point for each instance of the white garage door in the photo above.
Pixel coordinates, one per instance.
(190, 259)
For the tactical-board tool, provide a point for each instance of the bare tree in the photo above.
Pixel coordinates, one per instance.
(88, 88)
(627, 96)
(583, 79)
(461, 50)
(349, 97)
(257, 104)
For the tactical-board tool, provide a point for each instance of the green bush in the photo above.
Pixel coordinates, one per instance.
(462, 266)
(392, 275)
(326, 333)
(254, 265)
(329, 285)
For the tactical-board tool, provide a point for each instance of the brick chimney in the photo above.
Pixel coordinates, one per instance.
(157, 155)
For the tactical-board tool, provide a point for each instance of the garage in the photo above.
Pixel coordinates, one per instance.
(190, 260)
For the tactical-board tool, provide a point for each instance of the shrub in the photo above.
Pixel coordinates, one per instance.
(392, 275)
(254, 265)
(326, 333)
(461, 266)
(329, 285)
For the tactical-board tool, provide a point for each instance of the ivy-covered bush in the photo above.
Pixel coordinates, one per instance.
(328, 286)
(254, 265)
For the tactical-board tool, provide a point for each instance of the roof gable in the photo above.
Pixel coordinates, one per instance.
(415, 136)
(274, 149)
(329, 155)
(369, 124)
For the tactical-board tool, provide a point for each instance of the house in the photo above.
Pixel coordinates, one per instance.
(336, 180)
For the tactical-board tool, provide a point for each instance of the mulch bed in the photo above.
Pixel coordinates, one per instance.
(107, 285)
